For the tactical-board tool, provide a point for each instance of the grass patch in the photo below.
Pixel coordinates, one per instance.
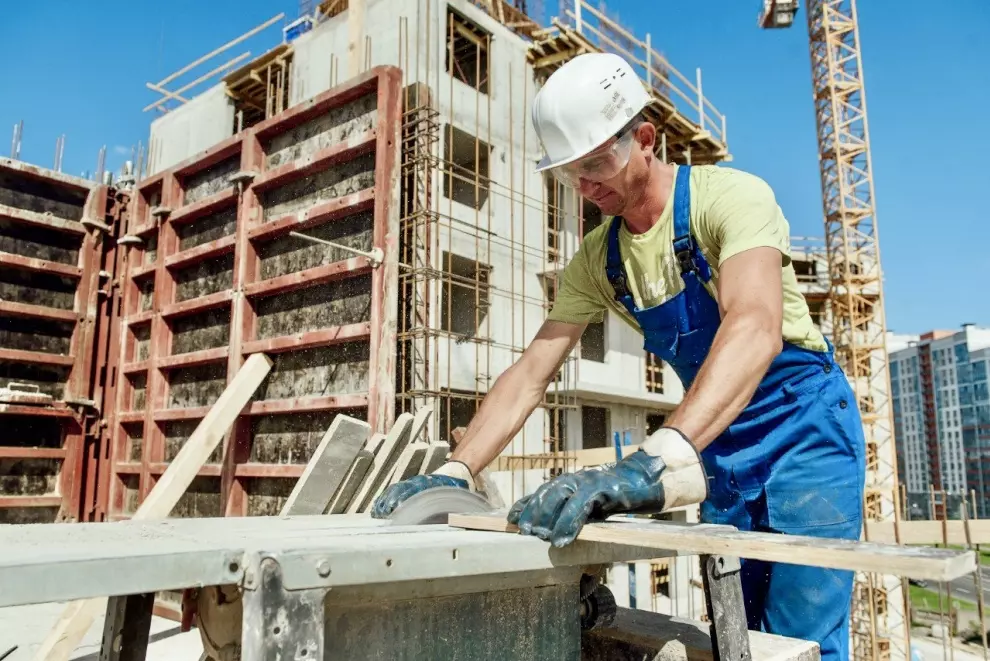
(926, 599)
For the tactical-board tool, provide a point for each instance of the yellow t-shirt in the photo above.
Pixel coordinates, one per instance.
(731, 211)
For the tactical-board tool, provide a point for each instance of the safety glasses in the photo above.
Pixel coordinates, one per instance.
(600, 165)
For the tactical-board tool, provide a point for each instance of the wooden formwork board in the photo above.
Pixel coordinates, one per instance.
(213, 276)
(54, 232)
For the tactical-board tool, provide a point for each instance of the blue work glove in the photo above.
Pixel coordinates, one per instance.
(666, 472)
(450, 474)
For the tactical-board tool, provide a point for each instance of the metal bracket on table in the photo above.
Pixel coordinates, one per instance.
(726, 608)
(279, 623)
(376, 256)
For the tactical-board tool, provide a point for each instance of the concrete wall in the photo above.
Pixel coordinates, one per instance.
(189, 129)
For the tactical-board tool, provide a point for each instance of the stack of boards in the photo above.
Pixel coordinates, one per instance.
(351, 466)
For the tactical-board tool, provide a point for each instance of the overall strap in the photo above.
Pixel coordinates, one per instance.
(614, 270)
(689, 257)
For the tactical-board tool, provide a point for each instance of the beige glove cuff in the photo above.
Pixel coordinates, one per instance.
(459, 471)
(684, 480)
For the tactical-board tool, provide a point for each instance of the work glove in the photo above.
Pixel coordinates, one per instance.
(449, 474)
(666, 472)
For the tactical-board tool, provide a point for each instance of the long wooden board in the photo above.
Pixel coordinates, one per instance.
(78, 616)
(930, 532)
(913, 562)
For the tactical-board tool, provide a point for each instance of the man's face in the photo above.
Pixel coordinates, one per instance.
(623, 190)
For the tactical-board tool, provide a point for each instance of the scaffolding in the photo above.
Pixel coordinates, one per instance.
(458, 269)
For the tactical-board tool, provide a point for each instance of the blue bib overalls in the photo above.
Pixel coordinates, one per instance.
(792, 462)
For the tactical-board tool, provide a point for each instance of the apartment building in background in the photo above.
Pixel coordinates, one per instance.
(942, 419)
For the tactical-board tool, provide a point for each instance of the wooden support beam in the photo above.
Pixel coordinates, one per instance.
(695, 539)
(78, 616)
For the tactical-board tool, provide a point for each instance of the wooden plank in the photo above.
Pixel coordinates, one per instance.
(328, 467)
(928, 532)
(640, 634)
(78, 616)
(395, 442)
(690, 539)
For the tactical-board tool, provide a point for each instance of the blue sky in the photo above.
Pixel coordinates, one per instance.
(81, 68)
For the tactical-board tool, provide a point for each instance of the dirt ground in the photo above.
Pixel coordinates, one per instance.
(27, 626)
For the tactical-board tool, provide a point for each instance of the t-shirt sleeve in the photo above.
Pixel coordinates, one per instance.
(744, 214)
(578, 300)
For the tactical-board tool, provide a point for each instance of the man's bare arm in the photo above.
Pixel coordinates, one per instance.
(516, 393)
(748, 339)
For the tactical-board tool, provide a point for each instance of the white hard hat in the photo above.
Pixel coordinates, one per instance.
(583, 104)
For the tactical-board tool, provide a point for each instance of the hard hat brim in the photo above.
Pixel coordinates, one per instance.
(546, 163)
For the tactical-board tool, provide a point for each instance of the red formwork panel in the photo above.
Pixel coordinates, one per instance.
(213, 275)
(55, 233)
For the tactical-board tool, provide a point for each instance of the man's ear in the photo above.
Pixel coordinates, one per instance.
(646, 136)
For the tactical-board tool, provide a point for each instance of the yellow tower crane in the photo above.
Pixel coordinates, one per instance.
(858, 328)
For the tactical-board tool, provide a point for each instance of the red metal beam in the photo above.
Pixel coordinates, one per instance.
(308, 404)
(322, 159)
(28, 311)
(340, 207)
(202, 252)
(384, 280)
(203, 207)
(318, 275)
(30, 501)
(44, 221)
(20, 452)
(320, 338)
(203, 357)
(59, 410)
(291, 471)
(39, 265)
(200, 304)
(35, 357)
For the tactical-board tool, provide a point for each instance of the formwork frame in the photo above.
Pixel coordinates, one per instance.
(229, 190)
(54, 230)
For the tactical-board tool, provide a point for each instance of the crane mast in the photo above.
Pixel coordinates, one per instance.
(858, 328)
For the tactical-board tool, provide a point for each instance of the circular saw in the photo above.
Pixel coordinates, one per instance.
(434, 505)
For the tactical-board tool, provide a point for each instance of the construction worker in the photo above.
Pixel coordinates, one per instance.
(767, 437)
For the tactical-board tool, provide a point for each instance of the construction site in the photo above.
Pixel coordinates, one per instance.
(297, 294)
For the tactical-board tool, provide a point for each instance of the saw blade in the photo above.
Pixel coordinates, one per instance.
(434, 505)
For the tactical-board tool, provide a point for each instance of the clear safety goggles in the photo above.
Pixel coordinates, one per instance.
(600, 165)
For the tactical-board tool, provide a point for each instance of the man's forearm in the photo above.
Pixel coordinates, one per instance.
(501, 415)
(743, 349)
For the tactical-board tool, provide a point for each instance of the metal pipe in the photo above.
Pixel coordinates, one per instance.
(376, 256)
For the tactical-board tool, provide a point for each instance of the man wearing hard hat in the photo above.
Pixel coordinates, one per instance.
(767, 437)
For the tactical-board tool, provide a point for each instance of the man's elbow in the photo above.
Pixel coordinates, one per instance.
(763, 331)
